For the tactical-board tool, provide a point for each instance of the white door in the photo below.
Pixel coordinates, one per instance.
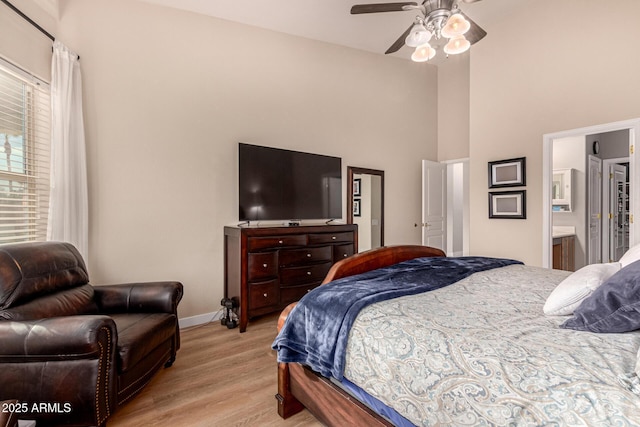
(594, 214)
(434, 204)
(618, 195)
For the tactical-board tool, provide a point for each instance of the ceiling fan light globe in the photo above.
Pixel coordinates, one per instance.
(418, 36)
(457, 45)
(423, 53)
(456, 26)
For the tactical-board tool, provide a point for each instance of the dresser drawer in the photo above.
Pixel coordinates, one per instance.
(269, 267)
(291, 276)
(294, 293)
(261, 265)
(342, 251)
(319, 238)
(257, 243)
(290, 257)
(263, 294)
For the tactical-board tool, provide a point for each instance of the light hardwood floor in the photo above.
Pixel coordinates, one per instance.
(220, 378)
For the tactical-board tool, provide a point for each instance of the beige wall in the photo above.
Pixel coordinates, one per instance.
(526, 81)
(453, 107)
(169, 94)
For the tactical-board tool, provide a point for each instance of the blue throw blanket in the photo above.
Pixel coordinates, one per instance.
(316, 331)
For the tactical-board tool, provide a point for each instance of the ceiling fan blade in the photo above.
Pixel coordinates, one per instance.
(380, 7)
(400, 42)
(475, 33)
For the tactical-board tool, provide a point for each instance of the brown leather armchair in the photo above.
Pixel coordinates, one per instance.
(71, 353)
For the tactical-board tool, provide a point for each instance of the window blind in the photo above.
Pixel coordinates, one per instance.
(25, 123)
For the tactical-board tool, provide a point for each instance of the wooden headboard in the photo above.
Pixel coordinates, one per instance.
(378, 258)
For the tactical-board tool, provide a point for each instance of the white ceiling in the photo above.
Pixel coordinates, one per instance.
(330, 20)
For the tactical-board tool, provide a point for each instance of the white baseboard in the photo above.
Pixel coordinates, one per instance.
(200, 319)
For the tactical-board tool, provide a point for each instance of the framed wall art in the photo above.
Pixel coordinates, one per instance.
(357, 182)
(507, 173)
(508, 204)
(356, 207)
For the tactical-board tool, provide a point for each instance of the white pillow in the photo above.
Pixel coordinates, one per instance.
(631, 256)
(568, 295)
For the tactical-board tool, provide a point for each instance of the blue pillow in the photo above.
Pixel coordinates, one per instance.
(613, 307)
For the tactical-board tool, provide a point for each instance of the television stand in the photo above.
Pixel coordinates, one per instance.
(268, 268)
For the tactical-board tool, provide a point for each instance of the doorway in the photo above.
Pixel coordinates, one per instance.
(445, 206)
(591, 146)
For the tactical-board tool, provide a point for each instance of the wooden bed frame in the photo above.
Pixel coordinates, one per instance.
(299, 387)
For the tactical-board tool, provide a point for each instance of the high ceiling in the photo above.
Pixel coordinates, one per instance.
(330, 20)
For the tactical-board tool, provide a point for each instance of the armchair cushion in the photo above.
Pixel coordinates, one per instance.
(139, 334)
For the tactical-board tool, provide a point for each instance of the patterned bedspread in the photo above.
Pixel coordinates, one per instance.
(481, 353)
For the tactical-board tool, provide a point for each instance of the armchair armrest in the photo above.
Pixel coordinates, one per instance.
(70, 359)
(56, 338)
(151, 297)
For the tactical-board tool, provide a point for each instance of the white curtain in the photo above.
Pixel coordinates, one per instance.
(68, 203)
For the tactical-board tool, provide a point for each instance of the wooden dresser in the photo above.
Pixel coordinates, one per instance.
(267, 268)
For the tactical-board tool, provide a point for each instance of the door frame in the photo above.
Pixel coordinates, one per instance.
(595, 212)
(547, 170)
(607, 205)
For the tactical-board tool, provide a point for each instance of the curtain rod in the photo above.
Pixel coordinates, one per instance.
(29, 20)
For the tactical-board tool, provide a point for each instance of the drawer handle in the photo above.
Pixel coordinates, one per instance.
(308, 273)
(308, 255)
(265, 265)
(280, 241)
(344, 255)
(333, 237)
(266, 295)
(308, 290)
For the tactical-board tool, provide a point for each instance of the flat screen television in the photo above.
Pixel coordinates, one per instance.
(278, 184)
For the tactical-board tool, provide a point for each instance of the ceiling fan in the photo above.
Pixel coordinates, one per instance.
(437, 19)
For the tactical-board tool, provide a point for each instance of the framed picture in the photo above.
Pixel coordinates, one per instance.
(356, 207)
(508, 204)
(507, 173)
(356, 186)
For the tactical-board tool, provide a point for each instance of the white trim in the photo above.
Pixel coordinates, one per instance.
(200, 319)
(547, 164)
(461, 160)
(23, 74)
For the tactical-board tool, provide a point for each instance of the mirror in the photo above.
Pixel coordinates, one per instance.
(365, 205)
(561, 190)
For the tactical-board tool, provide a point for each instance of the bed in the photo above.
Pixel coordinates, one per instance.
(477, 351)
